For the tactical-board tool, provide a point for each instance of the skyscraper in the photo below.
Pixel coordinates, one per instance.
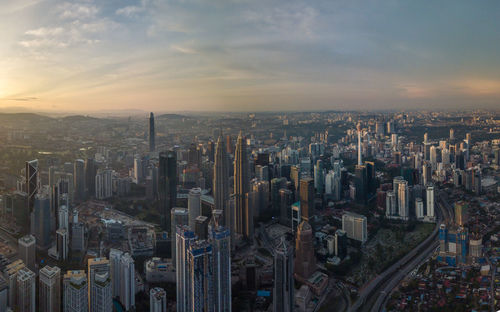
(41, 217)
(200, 262)
(90, 173)
(115, 271)
(360, 161)
(75, 294)
(221, 242)
(167, 186)
(79, 179)
(152, 135)
(100, 293)
(241, 185)
(194, 205)
(49, 289)
(305, 259)
(283, 290)
(430, 201)
(221, 182)
(178, 216)
(184, 238)
(27, 249)
(157, 300)
(355, 226)
(306, 198)
(127, 280)
(31, 182)
(26, 290)
(62, 244)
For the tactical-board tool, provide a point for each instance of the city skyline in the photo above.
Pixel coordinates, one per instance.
(248, 56)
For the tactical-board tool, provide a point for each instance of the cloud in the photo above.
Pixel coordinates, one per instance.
(129, 10)
(24, 99)
(77, 11)
(45, 31)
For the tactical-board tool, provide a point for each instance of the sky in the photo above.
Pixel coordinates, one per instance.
(249, 55)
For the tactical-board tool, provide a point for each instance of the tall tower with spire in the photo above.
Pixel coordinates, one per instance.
(360, 161)
(241, 185)
(221, 181)
(152, 135)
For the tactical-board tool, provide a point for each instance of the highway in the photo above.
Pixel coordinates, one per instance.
(374, 295)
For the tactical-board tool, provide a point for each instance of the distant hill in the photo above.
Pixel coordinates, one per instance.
(24, 117)
(171, 116)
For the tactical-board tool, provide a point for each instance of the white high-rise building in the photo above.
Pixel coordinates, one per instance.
(194, 205)
(184, 238)
(178, 216)
(49, 289)
(100, 292)
(403, 200)
(26, 290)
(430, 201)
(332, 185)
(157, 300)
(419, 208)
(26, 250)
(127, 278)
(75, 294)
(63, 217)
(355, 226)
(62, 244)
(104, 184)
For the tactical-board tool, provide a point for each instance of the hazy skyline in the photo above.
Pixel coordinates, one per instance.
(249, 55)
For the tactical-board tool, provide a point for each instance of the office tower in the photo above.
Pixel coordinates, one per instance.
(355, 226)
(157, 300)
(184, 238)
(427, 151)
(25, 290)
(27, 251)
(75, 291)
(306, 198)
(41, 217)
(200, 262)
(221, 182)
(77, 234)
(221, 248)
(167, 186)
(63, 217)
(49, 289)
(4, 293)
(90, 173)
(10, 273)
(379, 129)
(201, 227)
(361, 183)
(241, 184)
(100, 293)
(286, 201)
(103, 184)
(419, 208)
(391, 206)
(333, 186)
(426, 138)
(194, 205)
(305, 259)
(283, 290)
(262, 172)
(62, 244)
(115, 256)
(296, 216)
(360, 161)
(79, 179)
(52, 176)
(31, 182)
(127, 282)
(178, 217)
(433, 157)
(426, 173)
(445, 156)
(394, 141)
(429, 198)
(403, 198)
(152, 136)
(340, 243)
(461, 213)
(319, 177)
